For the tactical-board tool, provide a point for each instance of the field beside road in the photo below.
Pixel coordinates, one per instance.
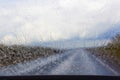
(18, 53)
(110, 53)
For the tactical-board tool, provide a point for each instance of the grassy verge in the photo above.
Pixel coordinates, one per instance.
(111, 55)
(15, 54)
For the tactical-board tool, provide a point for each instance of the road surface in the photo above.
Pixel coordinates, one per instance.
(72, 62)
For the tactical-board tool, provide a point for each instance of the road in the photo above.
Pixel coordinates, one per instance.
(72, 62)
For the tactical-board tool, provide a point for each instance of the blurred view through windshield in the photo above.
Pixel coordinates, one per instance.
(59, 37)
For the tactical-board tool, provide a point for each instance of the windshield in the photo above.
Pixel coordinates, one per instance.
(59, 37)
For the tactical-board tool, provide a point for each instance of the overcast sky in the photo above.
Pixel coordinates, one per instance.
(26, 21)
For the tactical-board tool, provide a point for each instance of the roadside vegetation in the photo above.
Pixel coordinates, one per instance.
(110, 53)
(15, 54)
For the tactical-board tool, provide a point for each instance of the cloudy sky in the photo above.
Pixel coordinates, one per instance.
(27, 21)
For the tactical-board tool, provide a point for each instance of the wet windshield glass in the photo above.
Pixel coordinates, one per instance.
(59, 37)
